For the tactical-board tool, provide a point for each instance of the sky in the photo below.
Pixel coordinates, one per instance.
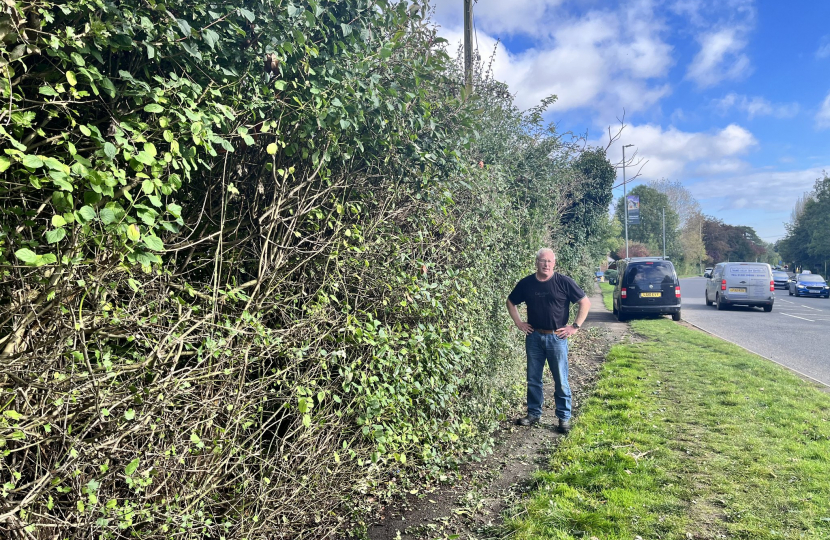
(729, 97)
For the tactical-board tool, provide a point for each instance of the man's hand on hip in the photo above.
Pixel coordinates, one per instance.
(525, 328)
(566, 331)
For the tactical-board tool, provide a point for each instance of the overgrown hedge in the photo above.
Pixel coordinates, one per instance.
(254, 258)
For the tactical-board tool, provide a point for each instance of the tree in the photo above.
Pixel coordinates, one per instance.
(650, 229)
(807, 244)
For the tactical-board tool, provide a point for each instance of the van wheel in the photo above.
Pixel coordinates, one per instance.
(721, 305)
(620, 316)
(613, 308)
(767, 308)
(675, 316)
(708, 302)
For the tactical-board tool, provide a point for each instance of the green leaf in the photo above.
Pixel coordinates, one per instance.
(55, 235)
(130, 469)
(107, 216)
(145, 158)
(154, 242)
(85, 130)
(49, 258)
(110, 150)
(148, 187)
(58, 221)
(210, 37)
(271, 149)
(87, 212)
(26, 255)
(4, 163)
(133, 285)
(195, 438)
(14, 415)
(153, 108)
(306, 420)
(47, 91)
(133, 233)
(78, 59)
(32, 162)
(150, 148)
(70, 77)
(129, 414)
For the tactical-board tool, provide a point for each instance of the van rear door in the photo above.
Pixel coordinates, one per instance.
(753, 277)
(651, 283)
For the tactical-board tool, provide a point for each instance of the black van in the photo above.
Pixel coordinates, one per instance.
(646, 285)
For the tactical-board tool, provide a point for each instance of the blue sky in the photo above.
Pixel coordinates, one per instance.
(729, 97)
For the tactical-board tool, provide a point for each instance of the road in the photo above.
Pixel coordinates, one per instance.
(796, 333)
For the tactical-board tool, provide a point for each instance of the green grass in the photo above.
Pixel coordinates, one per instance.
(687, 434)
(607, 289)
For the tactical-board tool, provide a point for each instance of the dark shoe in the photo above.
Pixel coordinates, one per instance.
(528, 421)
(564, 426)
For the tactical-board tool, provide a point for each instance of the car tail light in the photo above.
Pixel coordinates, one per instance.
(623, 293)
(677, 292)
(723, 285)
(772, 285)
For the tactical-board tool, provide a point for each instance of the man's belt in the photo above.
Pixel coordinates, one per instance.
(545, 331)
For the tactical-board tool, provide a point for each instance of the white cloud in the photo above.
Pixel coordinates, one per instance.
(761, 190)
(604, 60)
(500, 18)
(823, 115)
(823, 48)
(721, 58)
(672, 153)
(755, 106)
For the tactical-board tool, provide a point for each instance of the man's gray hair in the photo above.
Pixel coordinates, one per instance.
(543, 251)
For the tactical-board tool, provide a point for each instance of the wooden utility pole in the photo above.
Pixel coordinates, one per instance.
(468, 46)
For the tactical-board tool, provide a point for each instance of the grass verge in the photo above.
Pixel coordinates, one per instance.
(607, 290)
(687, 436)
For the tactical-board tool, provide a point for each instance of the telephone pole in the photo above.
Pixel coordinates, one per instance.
(468, 46)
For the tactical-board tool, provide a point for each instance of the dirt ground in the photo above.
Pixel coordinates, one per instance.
(471, 509)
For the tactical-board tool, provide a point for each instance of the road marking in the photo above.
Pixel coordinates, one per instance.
(808, 307)
(797, 317)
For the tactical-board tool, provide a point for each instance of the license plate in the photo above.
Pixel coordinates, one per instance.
(814, 292)
(737, 289)
(651, 295)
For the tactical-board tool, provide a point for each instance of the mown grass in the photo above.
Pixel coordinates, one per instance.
(684, 435)
(607, 289)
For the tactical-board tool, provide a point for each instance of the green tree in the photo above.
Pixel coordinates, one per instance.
(650, 229)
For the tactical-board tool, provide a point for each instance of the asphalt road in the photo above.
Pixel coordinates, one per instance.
(796, 333)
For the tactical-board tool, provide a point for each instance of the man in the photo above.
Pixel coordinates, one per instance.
(548, 296)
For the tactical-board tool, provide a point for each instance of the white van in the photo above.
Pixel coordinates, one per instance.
(741, 284)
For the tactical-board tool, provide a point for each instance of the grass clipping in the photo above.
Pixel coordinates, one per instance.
(687, 436)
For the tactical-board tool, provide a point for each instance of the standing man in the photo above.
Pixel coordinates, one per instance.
(548, 296)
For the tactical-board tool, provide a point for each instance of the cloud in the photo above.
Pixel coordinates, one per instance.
(755, 106)
(823, 115)
(672, 153)
(528, 17)
(720, 58)
(602, 60)
(761, 190)
(823, 48)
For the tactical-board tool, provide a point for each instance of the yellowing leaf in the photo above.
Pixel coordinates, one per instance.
(271, 149)
(133, 233)
(70, 77)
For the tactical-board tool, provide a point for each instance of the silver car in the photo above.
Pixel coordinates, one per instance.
(741, 284)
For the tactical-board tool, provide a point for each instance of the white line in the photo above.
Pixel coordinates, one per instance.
(814, 309)
(797, 317)
(761, 355)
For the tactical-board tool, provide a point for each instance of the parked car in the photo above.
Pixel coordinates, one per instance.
(611, 276)
(741, 284)
(780, 279)
(646, 285)
(809, 285)
(708, 272)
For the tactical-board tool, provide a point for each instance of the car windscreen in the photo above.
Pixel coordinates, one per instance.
(811, 278)
(780, 275)
(650, 273)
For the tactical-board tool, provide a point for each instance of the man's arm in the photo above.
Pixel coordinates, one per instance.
(517, 320)
(581, 315)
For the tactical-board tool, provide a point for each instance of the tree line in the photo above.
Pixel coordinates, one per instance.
(807, 243)
(692, 239)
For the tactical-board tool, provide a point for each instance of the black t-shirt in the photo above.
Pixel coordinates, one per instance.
(548, 302)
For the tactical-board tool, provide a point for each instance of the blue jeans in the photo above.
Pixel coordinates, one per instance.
(541, 347)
